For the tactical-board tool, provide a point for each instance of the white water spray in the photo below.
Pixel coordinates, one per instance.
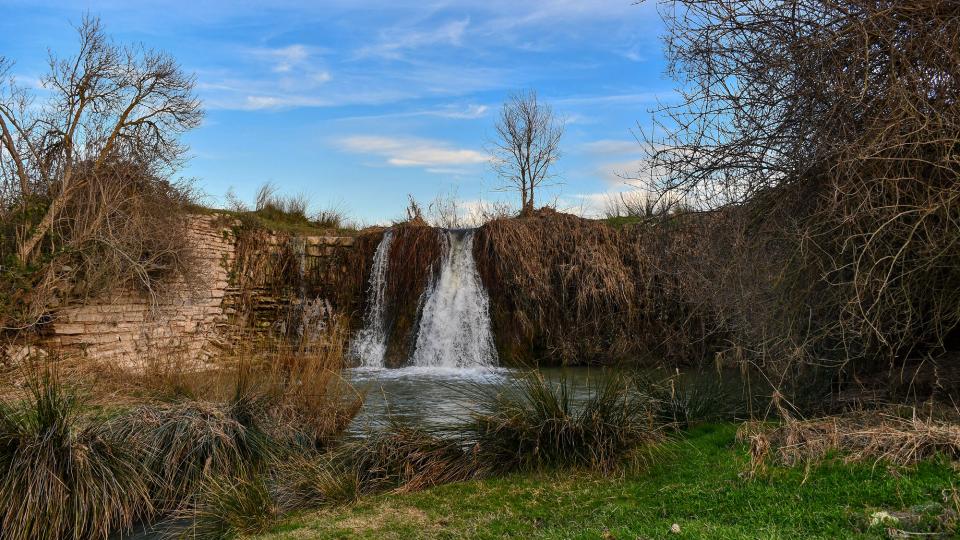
(455, 326)
(370, 343)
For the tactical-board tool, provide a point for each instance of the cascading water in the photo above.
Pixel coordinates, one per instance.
(455, 325)
(370, 343)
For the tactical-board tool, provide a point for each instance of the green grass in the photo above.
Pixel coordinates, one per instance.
(699, 485)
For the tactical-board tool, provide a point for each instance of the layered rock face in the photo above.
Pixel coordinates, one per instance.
(239, 285)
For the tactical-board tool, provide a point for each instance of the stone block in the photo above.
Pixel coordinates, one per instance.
(69, 329)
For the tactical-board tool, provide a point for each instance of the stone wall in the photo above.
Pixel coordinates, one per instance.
(201, 319)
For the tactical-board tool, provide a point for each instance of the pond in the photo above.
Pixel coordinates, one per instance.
(436, 397)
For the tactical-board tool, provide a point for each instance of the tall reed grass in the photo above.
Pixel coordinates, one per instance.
(535, 423)
(226, 507)
(62, 476)
(406, 458)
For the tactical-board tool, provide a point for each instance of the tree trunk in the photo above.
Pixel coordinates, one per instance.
(21, 171)
(25, 253)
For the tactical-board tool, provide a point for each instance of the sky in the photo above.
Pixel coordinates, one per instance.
(358, 103)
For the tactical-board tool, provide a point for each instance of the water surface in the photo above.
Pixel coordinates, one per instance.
(437, 397)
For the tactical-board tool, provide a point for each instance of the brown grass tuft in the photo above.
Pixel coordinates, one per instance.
(569, 290)
(857, 437)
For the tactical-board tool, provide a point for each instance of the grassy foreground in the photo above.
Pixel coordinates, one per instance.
(699, 484)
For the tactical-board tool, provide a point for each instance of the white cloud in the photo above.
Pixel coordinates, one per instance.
(321, 77)
(469, 112)
(256, 103)
(621, 161)
(621, 172)
(395, 40)
(454, 112)
(599, 204)
(284, 59)
(412, 152)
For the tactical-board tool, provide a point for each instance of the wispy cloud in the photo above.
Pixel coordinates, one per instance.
(433, 155)
(469, 112)
(454, 112)
(394, 41)
(283, 59)
(255, 103)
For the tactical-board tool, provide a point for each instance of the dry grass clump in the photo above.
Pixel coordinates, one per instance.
(62, 475)
(313, 408)
(226, 507)
(330, 217)
(315, 481)
(404, 459)
(570, 290)
(185, 442)
(533, 423)
(861, 436)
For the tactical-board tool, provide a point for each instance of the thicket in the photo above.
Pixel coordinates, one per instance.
(826, 131)
(568, 290)
(87, 196)
(812, 167)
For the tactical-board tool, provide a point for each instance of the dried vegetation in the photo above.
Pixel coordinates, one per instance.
(879, 436)
(567, 290)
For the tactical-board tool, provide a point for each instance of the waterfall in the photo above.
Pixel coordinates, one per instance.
(455, 325)
(370, 343)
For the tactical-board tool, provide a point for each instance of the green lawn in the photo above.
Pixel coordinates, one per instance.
(698, 484)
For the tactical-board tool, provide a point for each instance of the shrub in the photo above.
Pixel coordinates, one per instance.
(314, 482)
(62, 476)
(187, 441)
(408, 459)
(682, 401)
(533, 423)
(838, 146)
(226, 507)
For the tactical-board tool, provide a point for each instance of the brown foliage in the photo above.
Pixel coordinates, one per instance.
(570, 290)
(833, 125)
(123, 229)
(859, 436)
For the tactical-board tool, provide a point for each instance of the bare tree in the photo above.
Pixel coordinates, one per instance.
(526, 146)
(107, 103)
(832, 128)
(85, 171)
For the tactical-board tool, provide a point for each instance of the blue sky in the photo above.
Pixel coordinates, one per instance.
(358, 103)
